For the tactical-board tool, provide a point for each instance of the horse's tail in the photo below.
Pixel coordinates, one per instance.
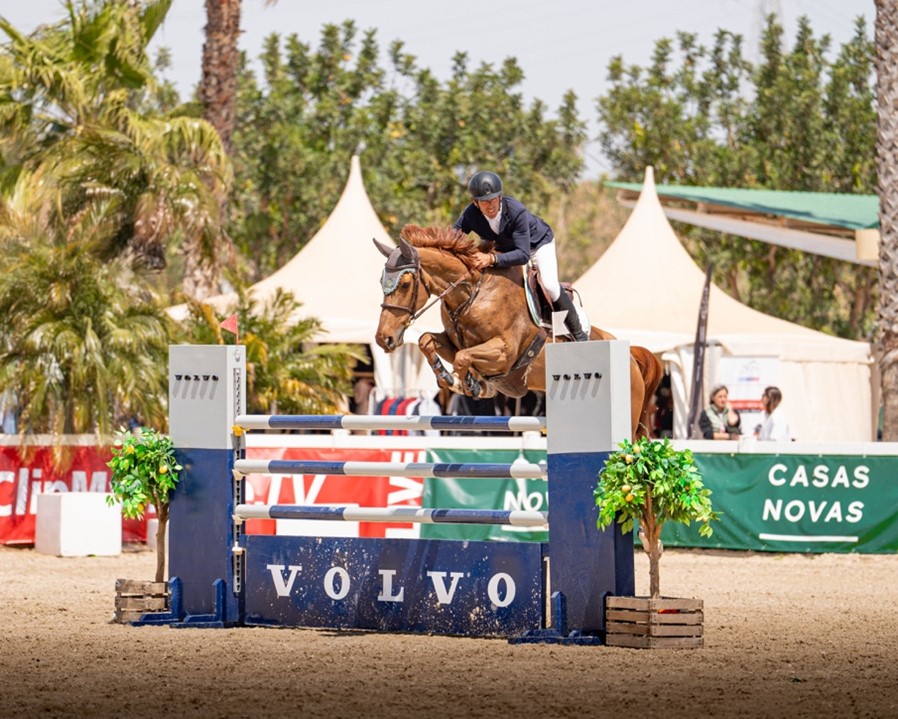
(652, 372)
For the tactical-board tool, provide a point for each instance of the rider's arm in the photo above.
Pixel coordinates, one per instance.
(519, 224)
(463, 222)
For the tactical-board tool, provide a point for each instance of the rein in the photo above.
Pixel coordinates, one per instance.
(445, 292)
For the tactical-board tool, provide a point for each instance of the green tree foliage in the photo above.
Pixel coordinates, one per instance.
(296, 130)
(95, 187)
(144, 472)
(286, 373)
(75, 103)
(104, 176)
(420, 139)
(797, 120)
(652, 483)
(82, 345)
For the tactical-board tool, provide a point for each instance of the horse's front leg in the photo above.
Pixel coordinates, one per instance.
(437, 346)
(477, 363)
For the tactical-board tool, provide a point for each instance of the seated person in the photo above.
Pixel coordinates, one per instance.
(718, 420)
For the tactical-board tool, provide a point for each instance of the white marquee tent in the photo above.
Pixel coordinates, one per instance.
(336, 277)
(646, 289)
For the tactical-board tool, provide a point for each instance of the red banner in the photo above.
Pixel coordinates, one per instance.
(21, 481)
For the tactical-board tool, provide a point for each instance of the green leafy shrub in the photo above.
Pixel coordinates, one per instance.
(651, 482)
(144, 472)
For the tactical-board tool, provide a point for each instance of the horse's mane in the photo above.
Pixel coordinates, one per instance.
(443, 238)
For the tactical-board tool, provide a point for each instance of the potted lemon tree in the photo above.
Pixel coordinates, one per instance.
(650, 482)
(144, 472)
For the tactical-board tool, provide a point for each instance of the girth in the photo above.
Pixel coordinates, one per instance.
(514, 382)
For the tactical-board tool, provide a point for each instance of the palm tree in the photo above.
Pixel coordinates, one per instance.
(155, 180)
(83, 344)
(76, 73)
(886, 40)
(217, 91)
(221, 57)
(70, 95)
(221, 60)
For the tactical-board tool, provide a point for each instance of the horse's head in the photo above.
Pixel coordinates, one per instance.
(404, 293)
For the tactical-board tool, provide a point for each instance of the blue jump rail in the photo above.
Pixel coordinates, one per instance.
(450, 470)
(375, 422)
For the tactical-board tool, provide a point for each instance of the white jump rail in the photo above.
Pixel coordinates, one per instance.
(516, 518)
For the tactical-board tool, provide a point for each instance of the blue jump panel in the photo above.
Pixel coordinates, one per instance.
(201, 531)
(394, 585)
(586, 563)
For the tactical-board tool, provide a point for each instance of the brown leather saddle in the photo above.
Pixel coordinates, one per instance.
(538, 303)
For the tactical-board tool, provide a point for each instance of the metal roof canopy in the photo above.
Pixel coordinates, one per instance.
(838, 225)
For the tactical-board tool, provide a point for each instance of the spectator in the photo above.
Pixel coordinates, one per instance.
(363, 388)
(775, 427)
(718, 420)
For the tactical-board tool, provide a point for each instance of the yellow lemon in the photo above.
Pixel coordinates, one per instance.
(630, 497)
(625, 488)
(163, 469)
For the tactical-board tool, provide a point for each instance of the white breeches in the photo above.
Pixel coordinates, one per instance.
(547, 263)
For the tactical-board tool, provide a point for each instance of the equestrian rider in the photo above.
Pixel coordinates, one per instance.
(520, 237)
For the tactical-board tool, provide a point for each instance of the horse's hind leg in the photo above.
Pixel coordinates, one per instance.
(651, 372)
(637, 400)
(477, 363)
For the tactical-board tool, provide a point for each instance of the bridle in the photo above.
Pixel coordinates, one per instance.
(389, 282)
(391, 277)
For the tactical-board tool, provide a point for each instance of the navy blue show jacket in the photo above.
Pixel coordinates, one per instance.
(520, 231)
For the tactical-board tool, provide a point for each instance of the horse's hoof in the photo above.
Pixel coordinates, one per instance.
(444, 379)
(473, 388)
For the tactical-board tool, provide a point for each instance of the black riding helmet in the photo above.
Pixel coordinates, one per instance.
(485, 185)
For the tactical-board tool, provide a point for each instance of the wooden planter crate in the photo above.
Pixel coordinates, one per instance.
(134, 598)
(646, 623)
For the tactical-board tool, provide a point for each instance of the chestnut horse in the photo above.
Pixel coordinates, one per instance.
(489, 337)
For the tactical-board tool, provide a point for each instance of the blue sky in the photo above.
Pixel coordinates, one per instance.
(560, 45)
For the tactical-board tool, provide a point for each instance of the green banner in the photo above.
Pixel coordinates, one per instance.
(777, 503)
(505, 494)
(797, 503)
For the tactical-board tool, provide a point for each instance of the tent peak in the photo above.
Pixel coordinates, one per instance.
(649, 180)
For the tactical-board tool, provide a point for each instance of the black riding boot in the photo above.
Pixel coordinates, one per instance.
(572, 320)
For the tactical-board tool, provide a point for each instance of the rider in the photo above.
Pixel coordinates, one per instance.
(520, 236)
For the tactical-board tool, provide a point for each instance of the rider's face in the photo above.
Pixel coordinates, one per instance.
(490, 208)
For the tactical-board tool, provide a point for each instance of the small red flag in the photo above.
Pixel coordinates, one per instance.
(230, 324)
